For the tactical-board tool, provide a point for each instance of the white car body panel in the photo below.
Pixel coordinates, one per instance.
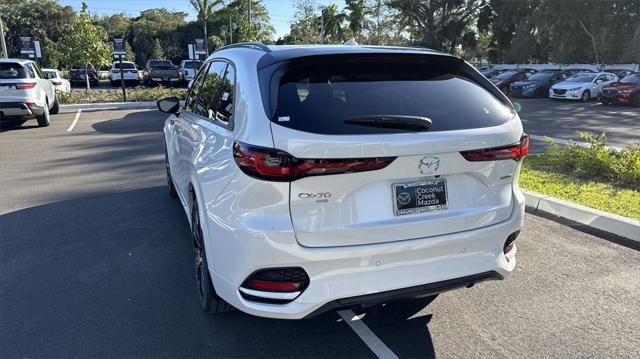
(353, 244)
(594, 87)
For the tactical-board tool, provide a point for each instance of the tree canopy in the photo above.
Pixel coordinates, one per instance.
(507, 31)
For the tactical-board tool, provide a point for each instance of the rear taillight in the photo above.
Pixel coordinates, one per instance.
(26, 85)
(56, 82)
(511, 152)
(276, 165)
(275, 285)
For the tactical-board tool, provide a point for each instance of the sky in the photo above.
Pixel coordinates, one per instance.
(280, 11)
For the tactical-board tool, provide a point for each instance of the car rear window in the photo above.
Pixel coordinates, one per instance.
(125, 65)
(49, 75)
(163, 63)
(631, 79)
(10, 70)
(192, 64)
(319, 95)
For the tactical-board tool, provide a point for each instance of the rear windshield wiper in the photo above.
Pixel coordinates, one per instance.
(410, 123)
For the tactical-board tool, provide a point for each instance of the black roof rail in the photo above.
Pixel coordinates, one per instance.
(249, 45)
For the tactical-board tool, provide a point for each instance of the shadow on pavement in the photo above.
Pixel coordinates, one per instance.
(18, 125)
(133, 123)
(111, 276)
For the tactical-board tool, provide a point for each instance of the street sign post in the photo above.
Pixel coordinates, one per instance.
(26, 46)
(200, 47)
(119, 51)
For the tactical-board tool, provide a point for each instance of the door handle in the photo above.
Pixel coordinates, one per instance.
(172, 121)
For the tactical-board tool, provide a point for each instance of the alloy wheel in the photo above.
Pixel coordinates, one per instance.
(198, 252)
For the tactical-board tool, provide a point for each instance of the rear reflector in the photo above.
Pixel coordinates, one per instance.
(511, 152)
(26, 85)
(275, 285)
(275, 165)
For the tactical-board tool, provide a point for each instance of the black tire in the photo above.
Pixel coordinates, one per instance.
(172, 188)
(210, 302)
(636, 100)
(56, 107)
(44, 120)
(586, 96)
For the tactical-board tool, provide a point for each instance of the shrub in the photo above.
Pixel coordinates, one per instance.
(137, 94)
(597, 160)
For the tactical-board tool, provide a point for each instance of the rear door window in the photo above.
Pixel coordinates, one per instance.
(192, 98)
(209, 97)
(319, 95)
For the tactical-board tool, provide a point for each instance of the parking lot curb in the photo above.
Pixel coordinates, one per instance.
(593, 218)
(109, 106)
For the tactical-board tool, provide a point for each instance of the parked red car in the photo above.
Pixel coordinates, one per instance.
(626, 91)
(505, 79)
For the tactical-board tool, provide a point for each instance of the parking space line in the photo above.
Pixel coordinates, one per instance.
(75, 121)
(564, 142)
(368, 337)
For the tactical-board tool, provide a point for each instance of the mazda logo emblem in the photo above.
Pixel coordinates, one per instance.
(404, 198)
(428, 165)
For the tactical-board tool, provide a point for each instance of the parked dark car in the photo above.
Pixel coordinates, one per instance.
(77, 76)
(162, 72)
(489, 73)
(538, 84)
(621, 73)
(625, 91)
(505, 79)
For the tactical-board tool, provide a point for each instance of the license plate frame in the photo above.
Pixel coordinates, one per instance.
(401, 209)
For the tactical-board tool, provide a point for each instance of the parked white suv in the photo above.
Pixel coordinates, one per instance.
(25, 93)
(129, 71)
(318, 177)
(59, 83)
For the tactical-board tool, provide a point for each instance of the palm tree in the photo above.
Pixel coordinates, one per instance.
(333, 23)
(205, 13)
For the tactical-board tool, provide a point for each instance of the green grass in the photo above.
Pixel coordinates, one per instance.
(537, 175)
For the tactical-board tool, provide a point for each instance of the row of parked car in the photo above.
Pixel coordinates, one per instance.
(614, 86)
(156, 71)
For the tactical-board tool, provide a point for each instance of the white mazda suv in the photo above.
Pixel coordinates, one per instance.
(319, 177)
(25, 93)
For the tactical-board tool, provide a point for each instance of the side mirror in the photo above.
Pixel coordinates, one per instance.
(169, 105)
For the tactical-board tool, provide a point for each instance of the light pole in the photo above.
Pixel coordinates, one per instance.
(321, 25)
(4, 44)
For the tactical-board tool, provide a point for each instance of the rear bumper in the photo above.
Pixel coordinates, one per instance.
(19, 110)
(358, 274)
(419, 291)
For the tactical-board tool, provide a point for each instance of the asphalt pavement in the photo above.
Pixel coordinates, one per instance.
(565, 119)
(95, 261)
